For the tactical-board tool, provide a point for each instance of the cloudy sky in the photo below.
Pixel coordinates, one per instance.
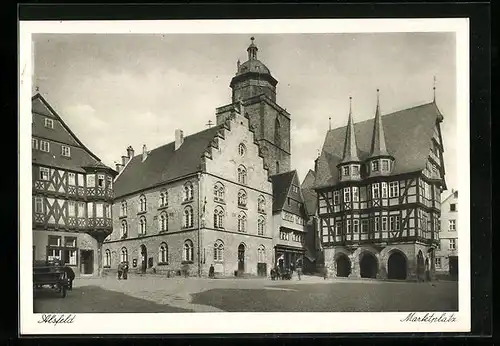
(116, 90)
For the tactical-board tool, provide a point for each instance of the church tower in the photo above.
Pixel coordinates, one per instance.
(254, 92)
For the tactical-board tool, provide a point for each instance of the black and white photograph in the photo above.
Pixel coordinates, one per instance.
(223, 177)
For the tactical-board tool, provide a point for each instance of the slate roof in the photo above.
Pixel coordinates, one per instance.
(281, 185)
(308, 193)
(164, 163)
(408, 135)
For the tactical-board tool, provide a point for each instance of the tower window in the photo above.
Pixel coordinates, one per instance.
(242, 149)
(375, 166)
(385, 165)
(345, 170)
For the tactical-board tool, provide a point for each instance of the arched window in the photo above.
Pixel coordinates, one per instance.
(242, 222)
(142, 225)
(261, 225)
(242, 149)
(188, 191)
(277, 132)
(187, 254)
(188, 217)
(124, 255)
(219, 251)
(142, 203)
(242, 198)
(218, 217)
(107, 258)
(123, 229)
(163, 201)
(261, 204)
(163, 254)
(219, 192)
(261, 254)
(163, 222)
(123, 208)
(242, 174)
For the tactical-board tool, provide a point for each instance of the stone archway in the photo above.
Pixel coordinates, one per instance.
(343, 265)
(368, 266)
(397, 266)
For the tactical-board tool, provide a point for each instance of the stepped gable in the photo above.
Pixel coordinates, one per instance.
(408, 135)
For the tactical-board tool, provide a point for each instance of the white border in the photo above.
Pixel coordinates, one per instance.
(242, 322)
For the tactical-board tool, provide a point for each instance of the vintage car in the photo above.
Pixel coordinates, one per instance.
(52, 275)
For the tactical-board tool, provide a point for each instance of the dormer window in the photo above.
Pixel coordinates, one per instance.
(65, 151)
(345, 171)
(355, 170)
(100, 181)
(385, 165)
(49, 123)
(374, 166)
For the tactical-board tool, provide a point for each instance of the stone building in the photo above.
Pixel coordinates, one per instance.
(447, 251)
(289, 220)
(379, 183)
(72, 194)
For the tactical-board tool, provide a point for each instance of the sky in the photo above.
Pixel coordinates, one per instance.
(116, 90)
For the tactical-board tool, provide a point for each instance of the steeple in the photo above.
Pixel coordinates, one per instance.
(378, 147)
(434, 90)
(350, 146)
(252, 50)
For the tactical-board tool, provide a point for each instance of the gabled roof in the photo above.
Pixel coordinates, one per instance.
(164, 164)
(408, 135)
(308, 193)
(308, 180)
(282, 184)
(64, 134)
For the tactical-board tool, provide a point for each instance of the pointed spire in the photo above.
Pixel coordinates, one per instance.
(350, 145)
(434, 90)
(378, 147)
(330, 123)
(238, 63)
(252, 50)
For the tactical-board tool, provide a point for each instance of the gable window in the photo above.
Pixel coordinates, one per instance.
(242, 221)
(187, 254)
(188, 217)
(347, 194)
(124, 255)
(219, 251)
(71, 209)
(142, 225)
(261, 224)
(45, 146)
(90, 180)
(44, 173)
(452, 225)
(71, 178)
(163, 201)
(188, 191)
(453, 207)
(49, 123)
(218, 217)
(375, 190)
(374, 166)
(355, 194)
(336, 197)
(453, 244)
(384, 189)
(242, 198)
(123, 229)
(345, 170)
(261, 204)
(65, 151)
(242, 149)
(39, 205)
(163, 254)
(142, 203)
(123, 208)
(394, 189)
(163, 222)
(219, 192)
(242, 175)
(295, 188)
(34, 143)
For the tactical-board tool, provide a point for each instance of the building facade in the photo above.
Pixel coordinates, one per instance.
(379, 184)
(447, 251)
(289, 220)
(72, 194)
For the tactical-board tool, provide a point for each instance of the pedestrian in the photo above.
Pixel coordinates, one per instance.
(120, 270)
(325, 273)
(299, 270)
(71, 276)
(211, 271)
(125, 270)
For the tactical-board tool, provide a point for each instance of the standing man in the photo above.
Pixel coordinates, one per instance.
(120, 270)
(299, 269)
(211, 271)
(125, 270)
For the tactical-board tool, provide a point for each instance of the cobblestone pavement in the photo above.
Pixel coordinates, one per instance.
(225, 294)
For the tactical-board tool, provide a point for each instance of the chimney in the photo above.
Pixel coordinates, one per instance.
(130, 152)
(144, 153)
(119, 167)
(124, 160)
(179, 138)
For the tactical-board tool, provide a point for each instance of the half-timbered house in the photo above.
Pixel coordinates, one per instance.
(379, 183)
(72, 194)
